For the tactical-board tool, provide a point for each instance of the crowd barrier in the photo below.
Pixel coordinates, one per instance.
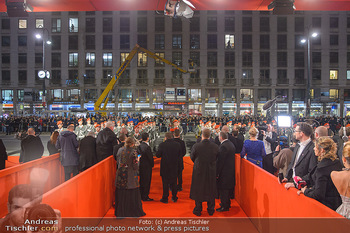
(19, 174)
(89, 194)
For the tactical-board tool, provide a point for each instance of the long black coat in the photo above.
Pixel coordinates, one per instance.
(3, 155)
(183, 152)
(87, 149)
(225, 166)
(203, 186)
(323, 189)
(52, 148)
(31, 148)
(170, 152)
(105, 142)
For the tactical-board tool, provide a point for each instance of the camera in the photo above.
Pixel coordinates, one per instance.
(283, 142)
(21, 135)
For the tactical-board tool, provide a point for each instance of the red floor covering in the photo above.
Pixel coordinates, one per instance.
(184, 206)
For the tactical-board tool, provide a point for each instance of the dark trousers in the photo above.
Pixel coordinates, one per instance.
(179, 179)
(211, 207)
(268, 163)
(166, 184)
(68, 170)
(224, 195)
(145, 182)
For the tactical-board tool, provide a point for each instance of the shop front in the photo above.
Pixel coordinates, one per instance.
(298, 108)
(316, 109)
(229, 109)
(346, 108)
(333, 109)
(282, 108)
(211, 109)
(246, 109)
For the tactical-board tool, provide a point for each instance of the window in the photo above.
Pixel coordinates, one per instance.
(333, 58)
(56, 60)
(299, 76)
(229, 41)
(333, 22)
(73, 24)
(22, 58)
(195, 24)
(264, 75)
(212, 59)
(5, 58)
(333, 40)
(177, 25)
(39, 23)
(281, 41)
(264, 41)
(89, 77)
(107, 25)
(229, 74)
(142, 24)
(229, 24)
(281, 75)
(247, 42)
(39, 58)
(73, 59)
(212, 74)
(177, 77)
(56, 25)
(247, 59)
(90, 25)
(90, 94)
(56, 43)
(73, 42)
(230, 59)
(107, 42)
(264, 59)
(124, 24)
(160, 24)
(142, 74)
(316, 22)
(22, 23)
(195, 57)
(247, 24)
(142, 41)
(22, 76)
(247, 74)
(22, 40)
(90, 60)
(212, 24)
(177, 41)
(299, 24)
(281, 24)
(194, 41)
(333, 74)
(264, 94)
(229, 94)
(124, 42)
(282, 59)
(159, 41)
(334, 93)
(212, 41)
(264, 24)
(5, 24)
(20, 95)
(73, 76)
(107, 59)
(7, 95)
(123, 57)
(298, 44)
(90, 42)
(177, 58)
(5, 41)
(348, 74)
(107, 74)
(316, 57)
(159, 62)
(299, 59)
(159, 74)
(142, 59)
(316, 74)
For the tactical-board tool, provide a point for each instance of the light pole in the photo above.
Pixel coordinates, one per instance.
(308, 90)
(44, 74)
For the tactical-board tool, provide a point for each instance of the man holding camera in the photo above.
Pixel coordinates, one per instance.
(269, 138)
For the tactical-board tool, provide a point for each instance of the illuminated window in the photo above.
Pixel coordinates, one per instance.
(123, 57)
(141, 59)
(73, 59)
(348, 74)
(107, 59)
(333, 93)
(90, 59)
(22, 23)
(39, 23)
(333, 74)
(159, 62)
(56, 25)
(229, 41)
(73, 24)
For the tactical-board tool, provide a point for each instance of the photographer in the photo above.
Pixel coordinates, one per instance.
(283, 155)
(31, 146)
(270, 140)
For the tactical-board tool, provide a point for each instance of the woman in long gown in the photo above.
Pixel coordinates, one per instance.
(341, 180)
(253, 149)
(127, 193)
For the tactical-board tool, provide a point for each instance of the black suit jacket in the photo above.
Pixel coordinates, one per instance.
(272, 140)
(307, 161)
(183, 152)
(225, 166)
(170, 152)
(146, 160)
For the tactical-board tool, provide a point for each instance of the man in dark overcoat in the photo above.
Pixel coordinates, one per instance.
(181, 161)
(225, 171)
(31, 147)
(87, 149)
(3, 155)
(105, 142)
(203, 186)
(145, 167)
(169, 151)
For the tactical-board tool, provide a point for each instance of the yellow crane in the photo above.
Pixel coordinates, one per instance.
(103, 99)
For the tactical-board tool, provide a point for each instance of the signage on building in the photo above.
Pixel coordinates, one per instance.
(175, 103)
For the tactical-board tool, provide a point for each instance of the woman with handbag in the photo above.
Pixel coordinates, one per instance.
(253, 149)
(127, 193)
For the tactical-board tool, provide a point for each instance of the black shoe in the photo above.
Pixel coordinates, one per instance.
(222, 209)
(148, 199)
(197, 213)
(179, 189)
(174, 199)
(210, 213)
(164, 201)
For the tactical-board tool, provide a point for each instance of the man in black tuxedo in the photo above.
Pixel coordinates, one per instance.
(304, 159)
(121, 140)
(270, 142)
(225, 171)
(145, 167)
(181, 161)
(105, 142)
(170, 152)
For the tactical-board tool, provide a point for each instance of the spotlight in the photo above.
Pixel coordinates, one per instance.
(282, 7)
(178, 8)
(18, 8)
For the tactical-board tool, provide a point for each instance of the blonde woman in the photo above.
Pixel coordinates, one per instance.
(341, 180)
(253, 149)
(319, 183)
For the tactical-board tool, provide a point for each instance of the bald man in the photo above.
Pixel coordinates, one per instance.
(321, 131)
(31, 147)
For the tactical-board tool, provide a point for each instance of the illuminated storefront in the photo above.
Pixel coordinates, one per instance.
(229, 109)
(211, 109)
(246, 109)
(298, 108)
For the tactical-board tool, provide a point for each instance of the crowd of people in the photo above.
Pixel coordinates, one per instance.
(316, 161)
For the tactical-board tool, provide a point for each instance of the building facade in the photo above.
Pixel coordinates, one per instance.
(241, 60)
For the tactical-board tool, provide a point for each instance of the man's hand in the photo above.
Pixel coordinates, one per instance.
(289, 185)
(277, 148)
(283, 181)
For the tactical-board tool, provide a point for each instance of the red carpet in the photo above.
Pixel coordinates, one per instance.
(184, 206)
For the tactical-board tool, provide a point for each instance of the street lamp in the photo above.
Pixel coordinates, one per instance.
(44, 74)
(308, 94)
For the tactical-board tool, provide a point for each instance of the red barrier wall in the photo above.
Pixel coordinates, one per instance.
(89, 194)
(19, 174)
